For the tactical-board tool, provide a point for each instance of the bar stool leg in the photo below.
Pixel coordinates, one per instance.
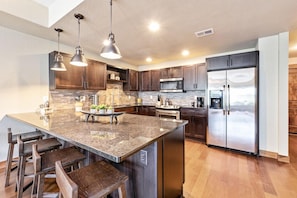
(122, 191)
(20, 178)
(8, 164)
(40, 185)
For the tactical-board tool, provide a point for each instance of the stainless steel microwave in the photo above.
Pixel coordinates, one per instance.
(171, 85)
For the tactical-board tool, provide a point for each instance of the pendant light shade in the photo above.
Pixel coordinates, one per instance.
(111, 51)
(78, 59)
(58, 62)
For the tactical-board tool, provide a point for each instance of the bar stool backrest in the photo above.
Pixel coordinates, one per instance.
(68, 189)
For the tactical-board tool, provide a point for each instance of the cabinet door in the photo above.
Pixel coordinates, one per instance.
(96, 75)
(73, 78)
(176, 72)
(249, 59)
(188, 126)
(189, 77)
(145, 80)
(155, 80)
(132, 81)
(201, 77)
(152, 111)
(217, 63)
(199, 127)
(164, 73)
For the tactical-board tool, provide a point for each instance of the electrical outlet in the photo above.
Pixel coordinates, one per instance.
(143, 157)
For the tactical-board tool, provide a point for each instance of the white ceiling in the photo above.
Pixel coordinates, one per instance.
(237, 24)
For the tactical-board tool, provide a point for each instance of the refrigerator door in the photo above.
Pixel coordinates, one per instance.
(241, 110)
(216, 133)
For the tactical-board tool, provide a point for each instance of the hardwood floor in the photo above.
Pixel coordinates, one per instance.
(218, 173)
(213, 172)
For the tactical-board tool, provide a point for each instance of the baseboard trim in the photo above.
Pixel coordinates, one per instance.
(285, 159)
(274, 155)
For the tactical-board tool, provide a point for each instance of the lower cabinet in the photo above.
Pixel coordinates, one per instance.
(131, 109)
(197, 118)
(147, 110)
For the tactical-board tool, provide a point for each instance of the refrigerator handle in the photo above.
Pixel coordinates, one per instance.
(224, 104)
(228, 110)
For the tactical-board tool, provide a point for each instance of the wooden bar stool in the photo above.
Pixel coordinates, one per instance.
(95, 180)
(25, 151)
(45, 163)
(12, 141)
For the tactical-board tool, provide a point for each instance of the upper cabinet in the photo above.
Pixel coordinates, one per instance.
(132, 81)
(92, 77)
(155, 80)
(145, 80)
(149, 80)
(195, 77)
(95, 75)
(172, 72)
(249, 59)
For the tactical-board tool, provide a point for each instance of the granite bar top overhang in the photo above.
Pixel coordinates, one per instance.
(115, 141)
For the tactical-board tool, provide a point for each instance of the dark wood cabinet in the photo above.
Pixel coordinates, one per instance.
(241, 60)
(147, 110)
(145, 81)
(149, 80)
(195, 77)
(172, 72)
(92, 77)
(155, 80)
(73, 78)
(95, 77)
(131, 109)
(197, 118)
(132, 81)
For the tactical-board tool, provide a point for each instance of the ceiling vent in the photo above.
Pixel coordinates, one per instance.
(204, 32)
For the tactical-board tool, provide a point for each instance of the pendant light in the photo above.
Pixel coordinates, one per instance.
(111, 51)
(78, 59)
(58, 62)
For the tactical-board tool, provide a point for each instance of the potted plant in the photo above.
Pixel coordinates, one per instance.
(93, 108)
(109, 110)
(101, 108)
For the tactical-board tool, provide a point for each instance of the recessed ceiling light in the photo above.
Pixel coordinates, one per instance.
(154, 26)
(185, 52)
(149, 59)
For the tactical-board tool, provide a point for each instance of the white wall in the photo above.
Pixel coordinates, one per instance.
(273, 92)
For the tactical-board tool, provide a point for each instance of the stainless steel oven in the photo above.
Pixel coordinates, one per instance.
(168, 113)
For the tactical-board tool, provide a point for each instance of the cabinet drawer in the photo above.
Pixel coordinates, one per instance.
(193, 112)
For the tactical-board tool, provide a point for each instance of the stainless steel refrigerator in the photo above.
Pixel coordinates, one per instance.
(233, 109)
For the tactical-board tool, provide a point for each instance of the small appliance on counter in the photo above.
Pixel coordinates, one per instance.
(200, 102)
(139, 100)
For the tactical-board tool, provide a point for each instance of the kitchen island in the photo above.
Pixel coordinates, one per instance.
(150, 150)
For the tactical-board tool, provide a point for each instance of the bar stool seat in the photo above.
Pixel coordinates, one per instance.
(12, 141)
(95, 180)
(25, 150)
(45, 163)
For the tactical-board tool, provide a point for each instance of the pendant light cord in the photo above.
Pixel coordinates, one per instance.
(78, 32)
(111, 16)
(58, 42)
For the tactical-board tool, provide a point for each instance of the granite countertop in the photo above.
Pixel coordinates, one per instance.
(114, 142)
